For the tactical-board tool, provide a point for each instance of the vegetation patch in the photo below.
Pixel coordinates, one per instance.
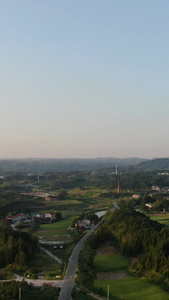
(43, 263)
(161, 218)
(11, 290)
(131, 288)
(76, 191)
(77, 294)
(58, 228)
(111, 262)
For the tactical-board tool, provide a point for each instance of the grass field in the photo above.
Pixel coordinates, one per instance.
(58, 228)
(111, 262)
(42, 262)
(163, 219)
(132, 289)
(65, 205)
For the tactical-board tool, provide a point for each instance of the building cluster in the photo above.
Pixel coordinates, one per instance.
(81, 225)
(163, 173)
(160, 189)
(48, 217)
(16, 218)
(155, 188)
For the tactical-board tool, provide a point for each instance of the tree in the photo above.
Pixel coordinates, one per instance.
(63, 194)
(20, 258)
(160, 205)
(58, 216)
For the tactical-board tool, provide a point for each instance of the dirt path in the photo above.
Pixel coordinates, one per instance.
(92, 295)
(52, 256)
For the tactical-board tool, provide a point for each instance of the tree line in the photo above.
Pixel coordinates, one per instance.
(10, 290)
(16, 249)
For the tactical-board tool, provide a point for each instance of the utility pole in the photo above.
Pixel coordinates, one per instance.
(108, 292)
(118, 185)
(19, 293)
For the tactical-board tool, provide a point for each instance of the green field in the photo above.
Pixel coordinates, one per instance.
(132, 289)
(107, 263)
(58, 228)
(70, 205)
(42, 262)
(163, 219)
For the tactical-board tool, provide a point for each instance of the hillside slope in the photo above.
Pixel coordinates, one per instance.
(158, 164)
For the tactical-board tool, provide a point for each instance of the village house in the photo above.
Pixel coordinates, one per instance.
(149, 205)
(48, 217)
(51, 215)
(135, 196)
(155, 188)
(83, 224)
(16, 218)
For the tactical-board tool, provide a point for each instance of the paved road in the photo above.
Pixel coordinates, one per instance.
(68, 282)
(37, 282)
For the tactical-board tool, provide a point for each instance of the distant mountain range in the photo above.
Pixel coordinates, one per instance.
(36, 165)
(59, 165)
(158, 164)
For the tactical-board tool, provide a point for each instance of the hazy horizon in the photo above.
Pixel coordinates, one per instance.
(81, 158)
(84, 79)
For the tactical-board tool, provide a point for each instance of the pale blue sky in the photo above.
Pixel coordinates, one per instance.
(84, 78)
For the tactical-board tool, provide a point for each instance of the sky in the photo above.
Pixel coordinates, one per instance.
(84, 78)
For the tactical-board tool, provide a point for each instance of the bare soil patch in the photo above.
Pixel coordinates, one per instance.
(133, 260)
(160, 215)
(107, 249)
(65, 238)
(96, 195)
(43, 230)
(112, 275)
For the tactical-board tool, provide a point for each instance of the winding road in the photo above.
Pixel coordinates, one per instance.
(69, 279)
(68, 282)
